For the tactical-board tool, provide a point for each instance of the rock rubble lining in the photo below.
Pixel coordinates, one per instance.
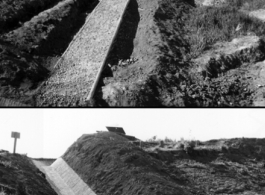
(78, 72)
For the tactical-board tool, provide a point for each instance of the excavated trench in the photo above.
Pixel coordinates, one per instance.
(29, 52)
(170, 77)
(121, 50)
(50, 32)
(76, 74)
(149, 63)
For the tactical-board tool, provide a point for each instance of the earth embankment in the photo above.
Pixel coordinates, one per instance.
(110, 164)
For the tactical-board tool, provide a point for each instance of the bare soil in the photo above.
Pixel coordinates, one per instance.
(158, 69)
(150, 64)
(111, 164)
(19, 176)
(15, 12)
(37, 42)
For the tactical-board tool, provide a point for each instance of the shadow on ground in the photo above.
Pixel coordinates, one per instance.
(122, 48)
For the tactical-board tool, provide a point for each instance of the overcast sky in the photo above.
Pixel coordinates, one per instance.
(49, 132)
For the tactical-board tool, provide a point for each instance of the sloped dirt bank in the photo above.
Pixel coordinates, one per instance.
(20, 74)
(226, 166)
(14, 12)
(49, 31)
(159, 70)
(145, 76)
(110, 164)
(230, 55)
(152, 61)
(20, 176)
(39, 42)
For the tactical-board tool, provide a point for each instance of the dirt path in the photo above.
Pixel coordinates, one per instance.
(76, 73)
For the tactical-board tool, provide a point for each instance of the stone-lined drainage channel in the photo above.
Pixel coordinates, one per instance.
(77, 73)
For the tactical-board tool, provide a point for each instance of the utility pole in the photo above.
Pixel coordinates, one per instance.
(15, 135)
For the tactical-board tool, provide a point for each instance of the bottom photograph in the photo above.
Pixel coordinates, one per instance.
(132, 152)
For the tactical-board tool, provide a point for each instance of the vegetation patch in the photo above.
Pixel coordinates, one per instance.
(209, 25)
(249, 5)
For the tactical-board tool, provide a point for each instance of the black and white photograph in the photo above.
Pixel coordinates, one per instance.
(132, 53)
(132, 152)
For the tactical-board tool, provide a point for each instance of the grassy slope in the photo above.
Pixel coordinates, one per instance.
(209, 25)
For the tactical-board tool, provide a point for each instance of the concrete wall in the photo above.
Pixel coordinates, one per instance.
(65, 181)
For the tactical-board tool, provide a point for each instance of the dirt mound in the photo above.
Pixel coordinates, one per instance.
(228, 55)
(226, 166)
(254, 148)
(35, 36)
(14, 12)
(20, 176)
(110, 164)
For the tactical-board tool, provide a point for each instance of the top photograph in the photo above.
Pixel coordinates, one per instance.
(132, 53)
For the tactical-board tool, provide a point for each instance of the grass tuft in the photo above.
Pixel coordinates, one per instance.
(209, 25)
(249, 5)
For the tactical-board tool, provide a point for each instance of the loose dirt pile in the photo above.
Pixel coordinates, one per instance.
(110, 164)
(19, 176)
(158, 69)
(234, 166)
